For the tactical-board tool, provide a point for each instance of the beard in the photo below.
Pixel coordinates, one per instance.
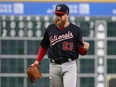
(59, 22)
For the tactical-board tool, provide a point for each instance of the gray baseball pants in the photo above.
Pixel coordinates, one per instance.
(64, 75)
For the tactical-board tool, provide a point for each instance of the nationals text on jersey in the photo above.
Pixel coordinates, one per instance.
(57, 38)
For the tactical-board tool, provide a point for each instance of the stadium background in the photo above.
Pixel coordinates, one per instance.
(22, 25)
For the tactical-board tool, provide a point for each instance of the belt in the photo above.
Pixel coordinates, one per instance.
(61, 60)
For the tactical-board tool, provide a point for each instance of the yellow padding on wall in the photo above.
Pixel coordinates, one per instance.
(58, 0)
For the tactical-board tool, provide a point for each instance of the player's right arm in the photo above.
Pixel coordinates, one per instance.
(45, 43)
(41, 53)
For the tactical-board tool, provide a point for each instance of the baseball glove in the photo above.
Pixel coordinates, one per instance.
(33, 73)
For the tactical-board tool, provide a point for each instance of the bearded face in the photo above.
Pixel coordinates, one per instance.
(60, 20)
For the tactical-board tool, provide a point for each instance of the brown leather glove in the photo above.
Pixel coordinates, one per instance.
(33, 73)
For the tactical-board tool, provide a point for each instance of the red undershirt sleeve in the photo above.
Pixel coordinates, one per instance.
(82, 51)
(41, 53)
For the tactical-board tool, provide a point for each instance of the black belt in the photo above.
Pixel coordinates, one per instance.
(61, 60)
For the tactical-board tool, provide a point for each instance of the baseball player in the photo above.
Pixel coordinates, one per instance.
(64, 43)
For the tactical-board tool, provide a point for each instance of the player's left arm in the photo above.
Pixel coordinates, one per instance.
(84, 49)
(82, 46)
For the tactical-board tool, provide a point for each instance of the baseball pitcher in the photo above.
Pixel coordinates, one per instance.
(63, 41)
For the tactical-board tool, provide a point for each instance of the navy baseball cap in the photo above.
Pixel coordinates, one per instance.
(61, 9)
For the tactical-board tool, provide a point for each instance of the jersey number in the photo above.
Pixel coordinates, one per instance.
(67, 46)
